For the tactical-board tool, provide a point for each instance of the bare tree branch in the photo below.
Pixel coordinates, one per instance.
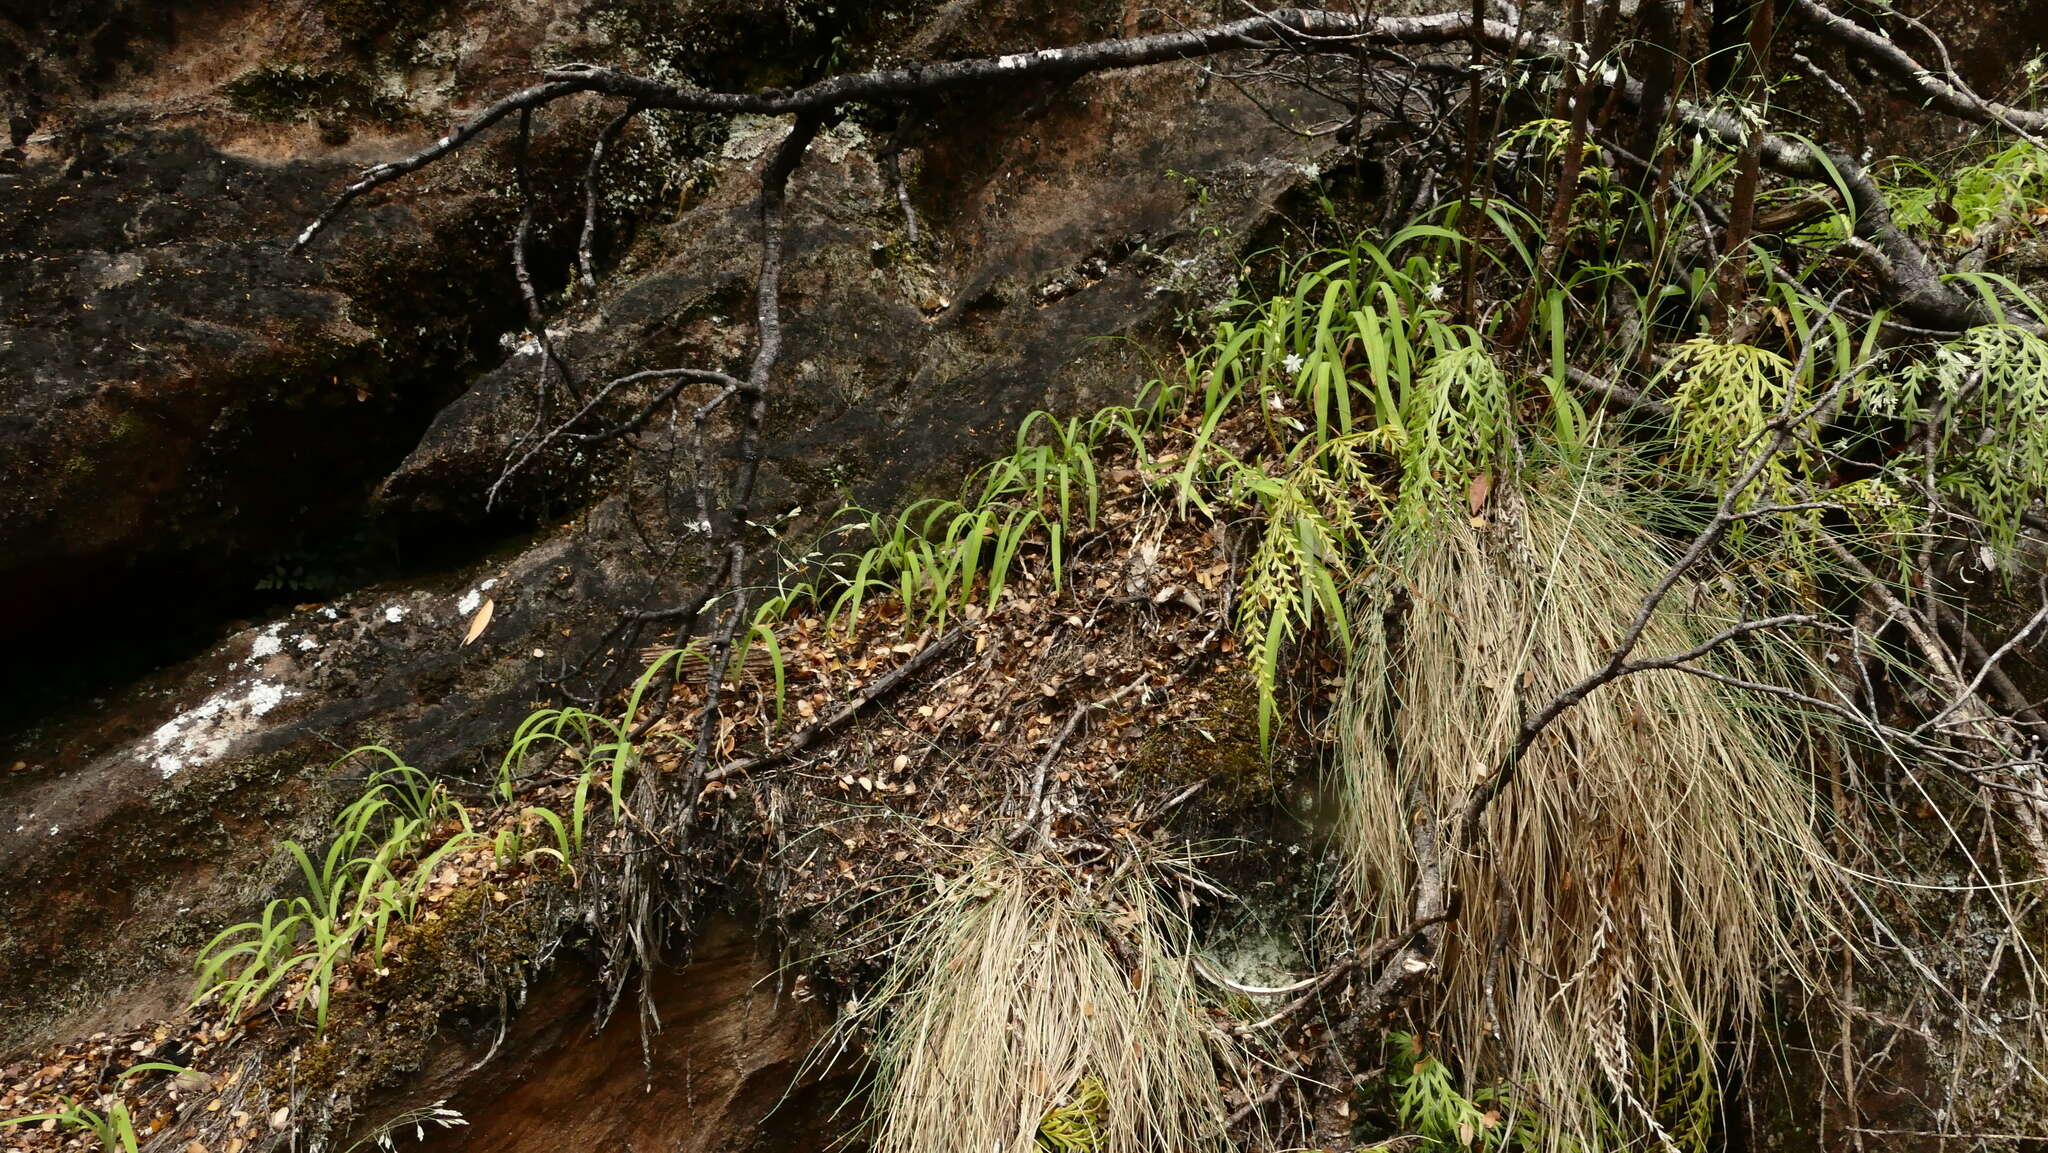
(1944, 91)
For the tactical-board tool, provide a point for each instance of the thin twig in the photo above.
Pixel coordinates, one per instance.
(805, 737)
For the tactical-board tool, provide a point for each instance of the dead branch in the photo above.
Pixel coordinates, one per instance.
(1944, 91)
(586, 244)
(805, 737)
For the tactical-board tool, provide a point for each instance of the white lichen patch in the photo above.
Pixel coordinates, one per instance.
(206, 731)
(474, 597)
(267, 644)
(395, 613)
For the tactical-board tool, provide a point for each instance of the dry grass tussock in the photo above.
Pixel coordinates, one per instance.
(1655, 861)
(1027, 1012)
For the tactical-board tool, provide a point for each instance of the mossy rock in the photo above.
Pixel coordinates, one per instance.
(288, 92)
(365, 22)
(1217, 742)
(479, 947)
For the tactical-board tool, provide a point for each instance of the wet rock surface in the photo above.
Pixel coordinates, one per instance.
(730, 1069)
(179, 394)
(188, 412)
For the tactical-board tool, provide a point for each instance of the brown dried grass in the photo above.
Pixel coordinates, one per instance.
(1016, 985)
(1654, 865)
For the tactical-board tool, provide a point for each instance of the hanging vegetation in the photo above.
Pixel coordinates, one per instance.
(1657, 862)
(1033, 1008)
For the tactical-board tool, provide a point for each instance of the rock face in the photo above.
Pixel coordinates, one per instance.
(184, 408)
(183, 400)
(187, 412)
(726, 1072)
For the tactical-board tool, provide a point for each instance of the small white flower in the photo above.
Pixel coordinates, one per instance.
(1291, 363)
(1276, 402)
(1435, 292)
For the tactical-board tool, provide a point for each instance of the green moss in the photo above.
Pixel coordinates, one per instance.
(289, 92)
(1218, 741)
(125, 425)
(475, 949)
(363, 22)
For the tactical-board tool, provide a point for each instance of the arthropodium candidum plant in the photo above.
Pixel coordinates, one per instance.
(391, 842)
(110, 1124)
(368, 881)
(941, 554)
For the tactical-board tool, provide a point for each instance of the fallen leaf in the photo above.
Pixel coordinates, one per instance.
(1475, 497)
(481, 621)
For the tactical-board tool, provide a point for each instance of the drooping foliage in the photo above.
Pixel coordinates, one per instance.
(1656, 861)
(1028, 1009)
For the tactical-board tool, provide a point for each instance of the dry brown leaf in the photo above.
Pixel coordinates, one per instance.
(1475, 497)
(481, 621)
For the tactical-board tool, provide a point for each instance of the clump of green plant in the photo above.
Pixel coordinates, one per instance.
(940, 555)
(1430, 1104)
(1075, 1126)
(2009, 184)
(390, 843)
(1974, 408)
(110, 1124)
(1984, 398)
(1378, 413)
(1026, 1010)
(289, 92)
(600, 749)
(1679, 1074)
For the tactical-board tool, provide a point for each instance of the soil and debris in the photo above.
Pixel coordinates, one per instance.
(1106, 716)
